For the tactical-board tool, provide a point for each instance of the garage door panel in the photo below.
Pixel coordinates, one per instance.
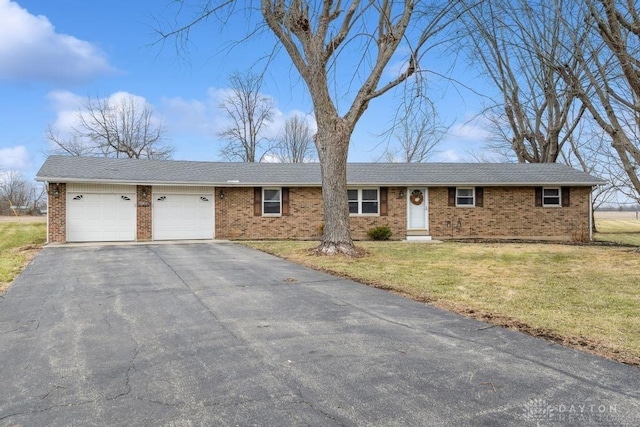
(182, 216)
(101, 217)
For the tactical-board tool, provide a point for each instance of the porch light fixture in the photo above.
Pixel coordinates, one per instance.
(401, 194)
(144, 193)
(56, 190)
(221, 194)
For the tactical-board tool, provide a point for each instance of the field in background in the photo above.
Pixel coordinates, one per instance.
(25, 218)
(618, 227)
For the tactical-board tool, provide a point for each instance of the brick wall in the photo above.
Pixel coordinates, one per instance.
(57, 213)
(143, 213)
(509, 212)
(235, 218)
(396, 219)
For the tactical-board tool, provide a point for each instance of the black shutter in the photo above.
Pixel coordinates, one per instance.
(285, 201)
(452, 196)
(565, 196)
(257, 201)
(384, 208)
(479, 197)
(538, 196)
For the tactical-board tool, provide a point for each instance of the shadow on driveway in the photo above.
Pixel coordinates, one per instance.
(220, 334)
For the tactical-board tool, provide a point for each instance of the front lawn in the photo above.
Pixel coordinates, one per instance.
(19, 241)
(583, 296)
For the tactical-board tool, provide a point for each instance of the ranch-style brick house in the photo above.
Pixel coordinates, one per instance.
(106, 199)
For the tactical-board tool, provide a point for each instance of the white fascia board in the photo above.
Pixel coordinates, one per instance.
(177, 183)
(306, 184)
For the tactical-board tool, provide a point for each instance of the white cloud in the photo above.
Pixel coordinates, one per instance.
(277, 123)
(14, 158)
(204, 116)
(68, 106)
(30, 49)
(472, 131)
(193, 115)
(449, 156)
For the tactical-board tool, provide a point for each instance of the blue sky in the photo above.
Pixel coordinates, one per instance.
(53, 54)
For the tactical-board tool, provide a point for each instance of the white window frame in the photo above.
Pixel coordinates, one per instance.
(559, 196)
(473, 197)
(361, 201)
(264, 200)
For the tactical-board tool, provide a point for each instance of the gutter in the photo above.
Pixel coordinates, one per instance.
(236, 183)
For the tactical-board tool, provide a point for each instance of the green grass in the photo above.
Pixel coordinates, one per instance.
(620, 238)
(584, 296)
(624, 231)
(17, 242)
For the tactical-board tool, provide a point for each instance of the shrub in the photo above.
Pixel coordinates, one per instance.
(379, 233)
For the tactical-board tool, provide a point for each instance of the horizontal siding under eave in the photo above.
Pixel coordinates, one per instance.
(79, 187)
(174, 189)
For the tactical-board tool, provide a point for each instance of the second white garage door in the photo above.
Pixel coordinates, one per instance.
(183, 213)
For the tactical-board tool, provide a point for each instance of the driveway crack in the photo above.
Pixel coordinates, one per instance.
(127, 385)
(195, 294)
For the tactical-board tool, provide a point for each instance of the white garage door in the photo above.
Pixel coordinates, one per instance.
(178, 216)
(101, 213)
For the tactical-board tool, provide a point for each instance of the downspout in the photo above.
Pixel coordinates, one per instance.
(591, 214)
(47, 188)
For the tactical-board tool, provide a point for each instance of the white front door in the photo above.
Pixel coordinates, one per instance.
(417, 208)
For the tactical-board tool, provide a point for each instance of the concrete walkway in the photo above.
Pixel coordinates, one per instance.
(219, 334)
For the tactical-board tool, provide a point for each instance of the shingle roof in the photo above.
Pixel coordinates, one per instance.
(179, 172)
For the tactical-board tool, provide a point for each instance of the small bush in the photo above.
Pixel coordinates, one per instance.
(380, 233)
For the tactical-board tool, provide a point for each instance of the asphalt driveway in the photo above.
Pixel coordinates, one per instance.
(219, 334)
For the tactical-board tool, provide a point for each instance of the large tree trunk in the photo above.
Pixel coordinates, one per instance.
(332, 143)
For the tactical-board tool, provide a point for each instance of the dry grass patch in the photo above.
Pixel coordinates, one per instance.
(19, 242)
(583, 296)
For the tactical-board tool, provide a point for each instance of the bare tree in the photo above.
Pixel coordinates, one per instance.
(517, 44)
(325, 38)
(295, 143)
(122, 126)
(415, 133)
(608, 79)
(587, 150)
(249, 112)
(17, 195)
